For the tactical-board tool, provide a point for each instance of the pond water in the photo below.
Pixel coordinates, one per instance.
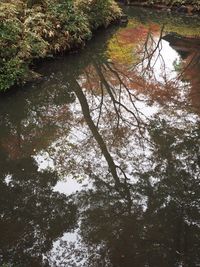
(100, 160)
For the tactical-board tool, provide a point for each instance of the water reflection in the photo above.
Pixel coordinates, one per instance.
(126, 128)
(189, 49)
(32, 214)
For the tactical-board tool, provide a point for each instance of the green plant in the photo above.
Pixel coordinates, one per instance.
(32, 29)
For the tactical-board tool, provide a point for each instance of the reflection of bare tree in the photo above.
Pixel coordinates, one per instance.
(163, 225)
(105, 122)
(117, 103)
(189, 49)
(103, 101)
(151, 52)
(94, 130)
(112, 166)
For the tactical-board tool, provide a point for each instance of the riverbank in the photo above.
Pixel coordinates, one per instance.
(190, 7)
(37, 29)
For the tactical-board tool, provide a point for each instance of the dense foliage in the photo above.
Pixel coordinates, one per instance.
(32, 29)
(195, 3)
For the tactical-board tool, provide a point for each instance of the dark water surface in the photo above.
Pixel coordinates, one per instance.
(100, 161)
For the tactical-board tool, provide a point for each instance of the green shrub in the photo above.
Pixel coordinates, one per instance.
(33, 29)
(195, 3)
(100, 12)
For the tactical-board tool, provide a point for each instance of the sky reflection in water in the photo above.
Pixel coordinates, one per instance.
(100, 161)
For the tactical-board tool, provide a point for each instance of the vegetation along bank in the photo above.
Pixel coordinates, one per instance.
(183, 6)
(31, 29)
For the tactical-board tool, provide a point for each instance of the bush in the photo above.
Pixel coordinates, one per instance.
(194, 3)
(100, 12)
(34, 28)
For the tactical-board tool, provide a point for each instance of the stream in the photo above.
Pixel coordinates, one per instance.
(100, 159)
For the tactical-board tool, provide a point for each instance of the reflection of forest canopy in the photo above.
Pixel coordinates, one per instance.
(32, 215)
(143, 207)
(162, 226)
